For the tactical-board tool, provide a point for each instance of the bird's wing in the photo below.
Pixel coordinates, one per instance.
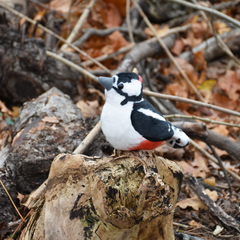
(149, 123)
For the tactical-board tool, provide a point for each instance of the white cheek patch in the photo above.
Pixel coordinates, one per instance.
(115, 77)
(151, 114)
(133, 88)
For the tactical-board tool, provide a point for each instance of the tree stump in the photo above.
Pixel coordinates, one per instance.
(129, 195)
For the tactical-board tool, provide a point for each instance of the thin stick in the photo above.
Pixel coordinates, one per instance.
(73, 65)
(146, 92)
(88, 139)
(213, 159)
(222, 167)
(201, 119)
(130, 34)
(161, 42)
(21, 223)
(190, 101)
(55, 35)
(11, 200)
(79, 24)
(208, 10)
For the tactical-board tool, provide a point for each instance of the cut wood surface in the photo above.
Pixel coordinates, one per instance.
(129, 195)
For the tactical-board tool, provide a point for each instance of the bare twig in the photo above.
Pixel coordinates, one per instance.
(234, 175)
(54, 34)
(21, 223)
(88, 139)
(79, 24)
(163, 45)
(222, 167)
(190, 101)
(73, 65)
(208, 10)
(68, 17)
(201, 119)
(11, 200)
(128, 22)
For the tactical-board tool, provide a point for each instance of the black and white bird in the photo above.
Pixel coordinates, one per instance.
(129, 122)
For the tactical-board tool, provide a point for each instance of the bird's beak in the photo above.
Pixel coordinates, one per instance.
(106, 82)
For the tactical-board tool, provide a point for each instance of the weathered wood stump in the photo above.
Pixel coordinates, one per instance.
(129, 195)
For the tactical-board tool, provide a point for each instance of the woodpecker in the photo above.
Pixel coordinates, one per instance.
(129, 122)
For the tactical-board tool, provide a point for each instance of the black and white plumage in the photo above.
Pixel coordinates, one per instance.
(129, 122)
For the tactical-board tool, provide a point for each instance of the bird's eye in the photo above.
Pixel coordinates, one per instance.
(120, 86)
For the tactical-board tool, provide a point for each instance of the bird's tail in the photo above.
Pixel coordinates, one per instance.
(179, 138)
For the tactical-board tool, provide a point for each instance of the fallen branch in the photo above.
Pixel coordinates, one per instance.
(213, 208)
(211, 49)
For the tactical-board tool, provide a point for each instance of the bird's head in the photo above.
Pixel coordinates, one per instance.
(122, 88)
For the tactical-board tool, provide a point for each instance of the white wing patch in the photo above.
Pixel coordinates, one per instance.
(150, 113)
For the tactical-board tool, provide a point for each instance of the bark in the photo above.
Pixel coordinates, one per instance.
(47, 126)
(130, 195)
(26, 70)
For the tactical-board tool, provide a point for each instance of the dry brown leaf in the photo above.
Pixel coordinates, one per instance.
(88, 108)
(120, 5)
(4, 109)
(198, 34)
(60, 5)
(193, 223)
(200, 162)
(195, 203)
(210, 181)
(222, 100)
(111, 15)
(221, 129)
(196, 172)
(20, 196)
(177, 47)
(230, 83)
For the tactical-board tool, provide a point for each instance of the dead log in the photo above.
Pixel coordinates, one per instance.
(26, 70)
(47, 126)
(130, 195)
